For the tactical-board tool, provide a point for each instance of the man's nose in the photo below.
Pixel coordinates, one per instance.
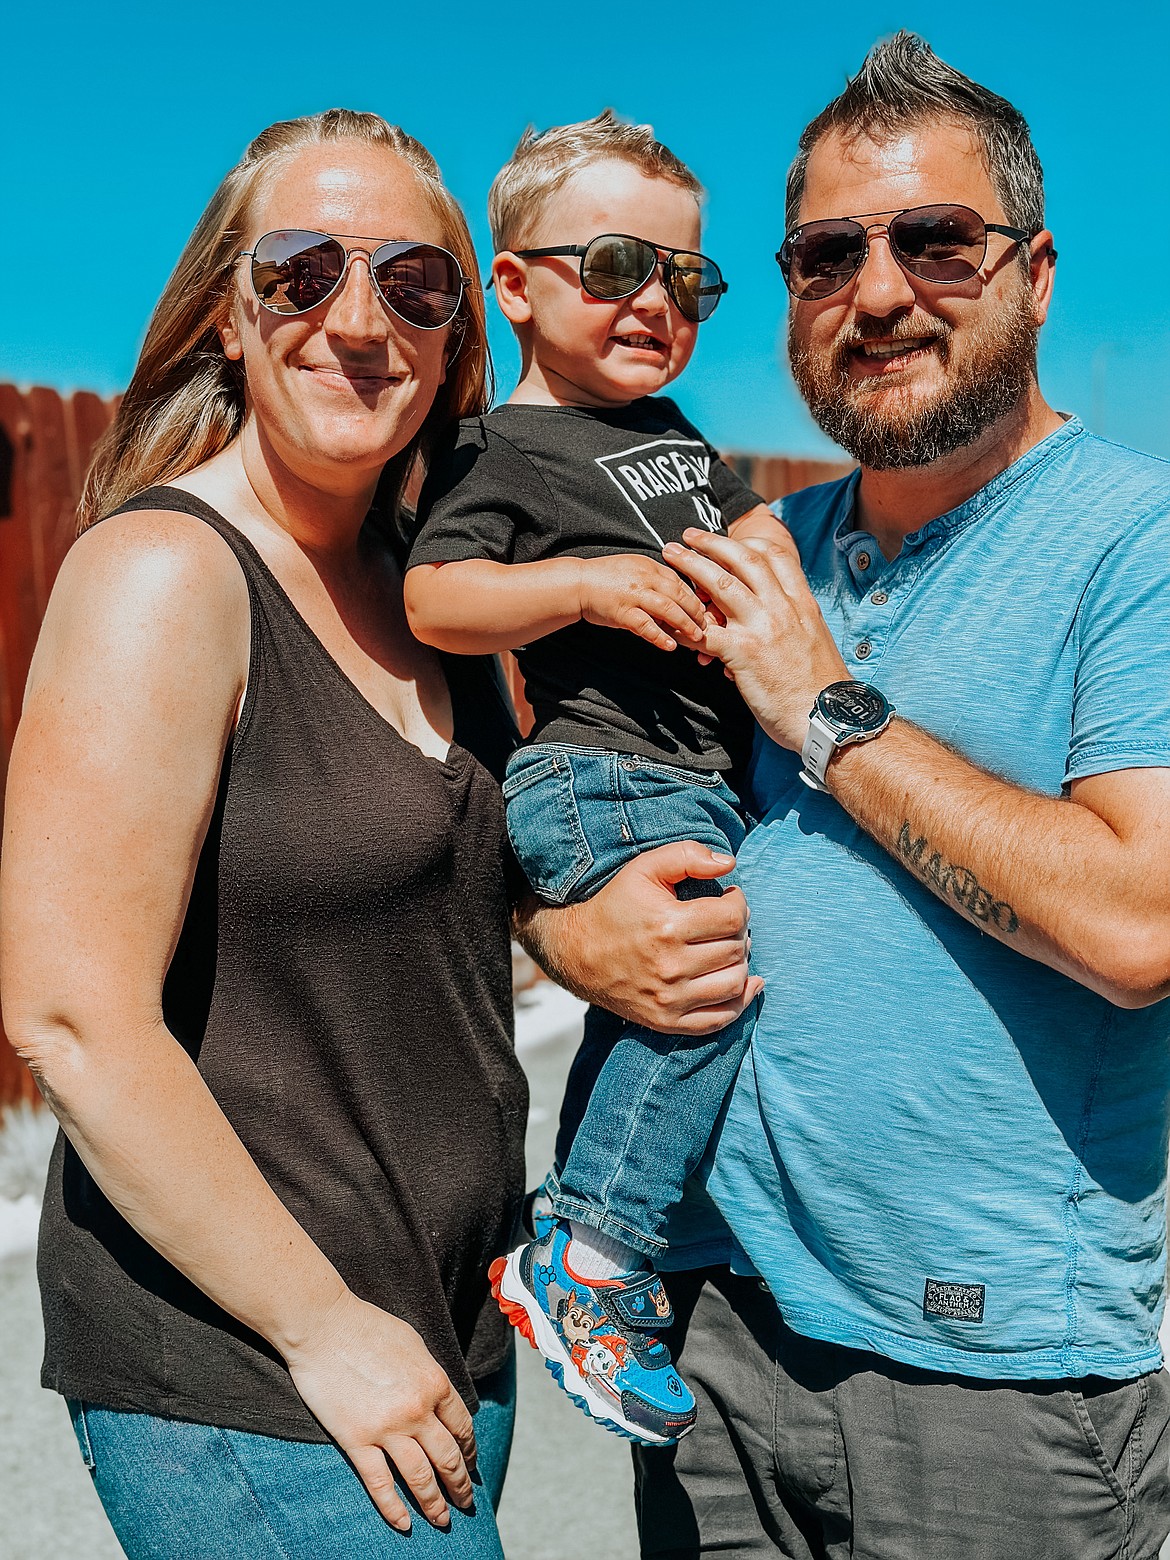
(355, 311)
(882, 286)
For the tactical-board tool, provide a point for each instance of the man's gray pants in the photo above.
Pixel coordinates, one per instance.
(817, 1452)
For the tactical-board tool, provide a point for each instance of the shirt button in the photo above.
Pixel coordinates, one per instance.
(864, 650)
(879, 598)
(863, 560)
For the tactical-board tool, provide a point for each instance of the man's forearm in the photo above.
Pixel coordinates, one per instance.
(1042, 874)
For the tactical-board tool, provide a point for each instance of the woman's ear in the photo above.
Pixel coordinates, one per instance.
(510, 280)
(229, 335)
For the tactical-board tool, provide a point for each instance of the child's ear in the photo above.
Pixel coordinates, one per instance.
(510, 280)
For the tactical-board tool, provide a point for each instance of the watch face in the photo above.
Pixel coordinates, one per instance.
(853, 704)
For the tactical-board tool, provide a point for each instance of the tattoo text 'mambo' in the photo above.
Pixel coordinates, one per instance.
(957, 883)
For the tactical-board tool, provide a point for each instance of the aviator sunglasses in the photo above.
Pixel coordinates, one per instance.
(939, 244)
(294, 270)
(615, 265)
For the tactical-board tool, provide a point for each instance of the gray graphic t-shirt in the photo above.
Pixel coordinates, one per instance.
(527, 483)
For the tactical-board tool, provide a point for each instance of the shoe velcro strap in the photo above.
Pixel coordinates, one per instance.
(642, 1303)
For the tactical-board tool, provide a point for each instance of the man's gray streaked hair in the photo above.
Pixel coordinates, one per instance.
(903, 83)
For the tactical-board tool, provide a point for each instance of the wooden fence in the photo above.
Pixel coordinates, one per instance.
(45, 444)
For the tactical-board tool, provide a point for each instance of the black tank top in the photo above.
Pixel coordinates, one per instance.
(342, 981)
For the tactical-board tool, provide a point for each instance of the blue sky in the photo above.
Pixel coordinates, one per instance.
(120, 121)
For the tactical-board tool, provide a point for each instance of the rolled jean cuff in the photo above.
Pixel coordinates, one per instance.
(579, 1212)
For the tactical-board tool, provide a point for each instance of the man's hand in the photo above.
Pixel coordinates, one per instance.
(676, 966)
(643, 597)
(773, 640)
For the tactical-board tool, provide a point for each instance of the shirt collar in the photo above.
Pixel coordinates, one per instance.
(850, 541)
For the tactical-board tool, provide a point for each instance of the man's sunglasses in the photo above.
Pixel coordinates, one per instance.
(939, 244)
(295, 270)
(615, 265)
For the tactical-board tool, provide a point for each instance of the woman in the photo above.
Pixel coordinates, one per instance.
(254, 900)
(253, 903)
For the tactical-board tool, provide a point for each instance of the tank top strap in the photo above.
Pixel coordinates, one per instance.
(484, 719)
(261, 580)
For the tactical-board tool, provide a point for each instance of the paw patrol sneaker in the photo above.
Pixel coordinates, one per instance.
(597, 1337)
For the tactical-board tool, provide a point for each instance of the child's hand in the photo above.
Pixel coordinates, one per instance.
(643, 597)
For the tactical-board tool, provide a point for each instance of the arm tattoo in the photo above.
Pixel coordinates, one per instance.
(954, 882)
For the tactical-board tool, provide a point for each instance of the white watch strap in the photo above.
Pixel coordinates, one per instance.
(819, 747)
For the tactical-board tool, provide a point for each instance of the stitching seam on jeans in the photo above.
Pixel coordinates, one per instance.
(87, 1455)
(251, 1489)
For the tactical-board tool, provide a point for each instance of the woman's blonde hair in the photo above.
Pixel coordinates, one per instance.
(185, 400)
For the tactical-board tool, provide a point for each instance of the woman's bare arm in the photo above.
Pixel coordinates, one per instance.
(131, 699)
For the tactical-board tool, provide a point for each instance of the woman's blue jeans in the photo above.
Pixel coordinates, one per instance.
(179, 1491)
(640, 1107)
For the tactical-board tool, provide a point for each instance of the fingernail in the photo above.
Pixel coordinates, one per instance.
(402, 1524)
(718, 855)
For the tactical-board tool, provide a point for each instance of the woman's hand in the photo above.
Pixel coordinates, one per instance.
(370, 1380)
(773, 640)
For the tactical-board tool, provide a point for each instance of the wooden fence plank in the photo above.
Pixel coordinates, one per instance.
(45, 446)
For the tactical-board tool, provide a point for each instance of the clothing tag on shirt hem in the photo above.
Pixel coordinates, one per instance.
(957, 1302)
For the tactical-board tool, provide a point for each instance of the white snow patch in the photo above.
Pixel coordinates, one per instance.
(18, 1224)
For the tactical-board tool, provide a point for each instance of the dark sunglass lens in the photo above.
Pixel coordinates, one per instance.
(820, 259)
(940, 243)
(420, 282)
(696, 285)
(294, 271)
(616, 266)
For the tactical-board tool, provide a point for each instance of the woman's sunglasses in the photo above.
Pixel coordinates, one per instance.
(295, 270)
(937, 244)
(615, 265)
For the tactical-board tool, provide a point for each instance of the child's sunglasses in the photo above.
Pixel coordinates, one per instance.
(937, 244)
(615, 265)
(295, 270)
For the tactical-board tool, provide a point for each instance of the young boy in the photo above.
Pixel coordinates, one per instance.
(541, 530)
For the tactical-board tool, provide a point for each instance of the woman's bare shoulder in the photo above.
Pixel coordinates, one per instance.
(146, 585)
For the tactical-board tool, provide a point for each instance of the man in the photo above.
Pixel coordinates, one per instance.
(944, 1163)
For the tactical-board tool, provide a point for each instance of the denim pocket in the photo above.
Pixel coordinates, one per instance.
(81, 1431)
(544, 823)
(521, 775)
(669, 774)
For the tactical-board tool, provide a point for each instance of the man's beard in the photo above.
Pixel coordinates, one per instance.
(998, 367)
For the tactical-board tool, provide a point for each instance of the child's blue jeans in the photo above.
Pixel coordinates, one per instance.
(640, 1107)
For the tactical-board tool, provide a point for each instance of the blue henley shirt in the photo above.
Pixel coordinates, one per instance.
(939, 1149)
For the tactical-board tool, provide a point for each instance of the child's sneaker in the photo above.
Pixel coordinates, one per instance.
(597, 1338)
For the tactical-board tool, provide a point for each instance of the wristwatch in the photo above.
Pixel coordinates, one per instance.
(844, 713)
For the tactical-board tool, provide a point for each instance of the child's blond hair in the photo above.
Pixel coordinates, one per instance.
(545, 160)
